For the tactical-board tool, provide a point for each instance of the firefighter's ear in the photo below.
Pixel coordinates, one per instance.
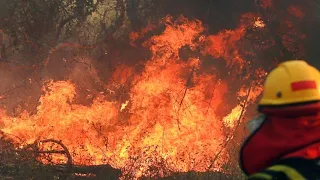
(255, 123)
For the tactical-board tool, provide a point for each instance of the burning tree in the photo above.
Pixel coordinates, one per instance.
(98, 87)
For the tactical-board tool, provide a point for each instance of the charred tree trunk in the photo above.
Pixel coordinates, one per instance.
(133, 13)
(80, 10)
(119, 9)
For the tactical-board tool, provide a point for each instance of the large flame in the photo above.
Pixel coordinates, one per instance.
(169, 112)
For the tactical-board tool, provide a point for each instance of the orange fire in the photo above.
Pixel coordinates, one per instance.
(170, 113)
(259, 23)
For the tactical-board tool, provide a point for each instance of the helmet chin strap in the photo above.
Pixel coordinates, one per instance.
(255, 123)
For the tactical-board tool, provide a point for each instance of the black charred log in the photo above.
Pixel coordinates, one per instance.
(18, 171)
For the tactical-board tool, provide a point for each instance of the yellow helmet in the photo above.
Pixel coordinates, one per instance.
(292, 82)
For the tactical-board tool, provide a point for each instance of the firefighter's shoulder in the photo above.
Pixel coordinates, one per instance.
(290, 169)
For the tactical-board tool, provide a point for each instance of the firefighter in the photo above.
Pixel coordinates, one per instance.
(285, 138)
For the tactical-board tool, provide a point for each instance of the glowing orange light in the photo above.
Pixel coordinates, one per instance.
(173, 114)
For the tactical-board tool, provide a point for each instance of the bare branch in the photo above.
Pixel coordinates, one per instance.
(184, 94)
(65, 149)
(231, 135)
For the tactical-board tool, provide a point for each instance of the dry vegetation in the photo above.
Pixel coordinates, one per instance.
(94, 44)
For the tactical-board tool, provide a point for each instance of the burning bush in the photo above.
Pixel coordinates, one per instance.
(170, 100)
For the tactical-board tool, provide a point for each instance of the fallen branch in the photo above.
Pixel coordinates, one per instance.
(99, 172)
(24, 163)
(51, 152)
(64, 151)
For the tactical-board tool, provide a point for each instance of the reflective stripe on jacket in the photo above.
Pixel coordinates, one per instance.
(290, 169)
